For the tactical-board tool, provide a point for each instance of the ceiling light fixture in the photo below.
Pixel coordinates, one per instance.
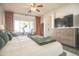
(35, 7)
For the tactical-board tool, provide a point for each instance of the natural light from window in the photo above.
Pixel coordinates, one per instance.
(20, 26)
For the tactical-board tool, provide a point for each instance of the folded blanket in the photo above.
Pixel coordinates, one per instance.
(42, 40)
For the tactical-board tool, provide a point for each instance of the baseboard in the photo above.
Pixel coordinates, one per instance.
(70, 46)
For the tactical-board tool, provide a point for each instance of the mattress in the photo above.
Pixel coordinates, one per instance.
(24, 46)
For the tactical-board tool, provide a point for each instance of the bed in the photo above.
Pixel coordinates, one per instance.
(24, 46)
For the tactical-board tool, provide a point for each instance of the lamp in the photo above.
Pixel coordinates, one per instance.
(33, 8)
(62, 17)
(1, 27)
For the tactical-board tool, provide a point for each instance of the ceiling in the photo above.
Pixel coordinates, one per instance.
(23, 8)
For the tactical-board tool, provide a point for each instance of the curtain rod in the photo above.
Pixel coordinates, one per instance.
(24, 14)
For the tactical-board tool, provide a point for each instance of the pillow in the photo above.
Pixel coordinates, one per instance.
(9, 35)
(4, 35)
(2, 42)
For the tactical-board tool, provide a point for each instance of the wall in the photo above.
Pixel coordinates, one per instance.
(47, 24)
(60, 12)
(23, 17)
(69, 9)
(2, 18)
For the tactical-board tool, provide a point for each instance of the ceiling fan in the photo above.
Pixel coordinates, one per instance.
(34, 7)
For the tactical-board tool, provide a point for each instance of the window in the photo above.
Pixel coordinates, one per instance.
(21, 26)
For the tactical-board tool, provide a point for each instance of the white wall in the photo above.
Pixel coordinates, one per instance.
(47, 24)
(23, 17)
(60, 12)
(2, 18)
(69, 9)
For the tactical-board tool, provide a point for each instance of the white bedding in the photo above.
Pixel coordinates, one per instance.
(24, 46)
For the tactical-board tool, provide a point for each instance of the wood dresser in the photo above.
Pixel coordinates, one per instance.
(67, 36)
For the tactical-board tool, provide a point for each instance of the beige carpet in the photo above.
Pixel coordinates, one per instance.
(24, 46)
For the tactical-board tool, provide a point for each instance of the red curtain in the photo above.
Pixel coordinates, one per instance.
(9, 21)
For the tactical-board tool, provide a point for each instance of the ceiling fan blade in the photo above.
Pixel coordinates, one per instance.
(33, 4)
(38, 10)
(39, 5)
(29, 11)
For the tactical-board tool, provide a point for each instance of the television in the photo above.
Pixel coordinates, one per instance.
(66, 21)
